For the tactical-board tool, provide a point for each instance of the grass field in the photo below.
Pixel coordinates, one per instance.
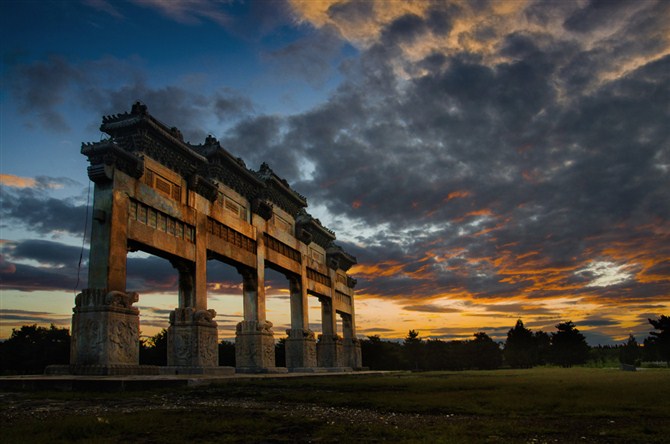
(580, 405)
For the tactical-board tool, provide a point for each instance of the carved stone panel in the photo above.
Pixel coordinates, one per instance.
(300, 349)
(192, 338)
(329, 351)
(105, 329)
(254, 346)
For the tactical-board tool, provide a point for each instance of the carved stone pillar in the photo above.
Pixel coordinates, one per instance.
(105, 332)
(254, 338)
(350, 344)
(109, 238)
(105, 326)
(300, 344)
(192, 338)
(329, 347)
(186, 282)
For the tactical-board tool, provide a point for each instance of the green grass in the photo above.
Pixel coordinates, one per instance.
(532, 406)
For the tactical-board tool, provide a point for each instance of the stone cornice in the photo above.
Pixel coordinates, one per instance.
(106, 155)
(318, 233)
(280, 192)
(338, 258)
(229, 170)
(139, 131)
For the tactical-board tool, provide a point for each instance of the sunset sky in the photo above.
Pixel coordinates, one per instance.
(485, 161)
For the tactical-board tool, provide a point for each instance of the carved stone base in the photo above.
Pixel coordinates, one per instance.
(352, 353)
(105, 329)
(329, 351)
(254, 347)
(192, 339)
(300, 349)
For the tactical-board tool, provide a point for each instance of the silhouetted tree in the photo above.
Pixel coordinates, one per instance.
(153, 350)
(659, 342)
(605, 355)
(568, 346)
(413, 345)
(280, 352)
(227, 353)
(436, 355)
(485, 353)
(31, 348)
(520, 347)
(630, 352)
(382, 355)
(543, 344)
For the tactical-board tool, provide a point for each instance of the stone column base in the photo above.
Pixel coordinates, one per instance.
(192, 339)
(300, 350)
(255, 348)
(352, 353)
(329, 351)
(105, 329)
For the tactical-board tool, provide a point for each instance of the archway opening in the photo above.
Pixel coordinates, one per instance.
(224, 295)
(156, 282)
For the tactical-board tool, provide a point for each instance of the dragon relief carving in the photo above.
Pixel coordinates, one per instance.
(123, 345)
(121, 299)
(205, 316)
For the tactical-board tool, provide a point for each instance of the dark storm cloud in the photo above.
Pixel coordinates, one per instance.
(109, 86)
(56, 270)
(430, 308)
(310, 59)
(542, 154)
(30, 278)
(34, 210)
(53, 254)
(596, 14)
(15, 317)
(466, 176)
(597, 321)
(41, 87)
(230, 105)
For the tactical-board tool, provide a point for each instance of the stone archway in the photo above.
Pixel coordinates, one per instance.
(190, 203)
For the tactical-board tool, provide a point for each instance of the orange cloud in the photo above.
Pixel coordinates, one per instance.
(456, 195)
(17, 181)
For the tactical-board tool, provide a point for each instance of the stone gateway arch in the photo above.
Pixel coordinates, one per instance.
(189, 204)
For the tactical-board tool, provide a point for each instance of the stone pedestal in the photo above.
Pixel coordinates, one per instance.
(192, 338)
(300, 350)
(352, 353)
(105, 331)
(255, 347)
(329, 351)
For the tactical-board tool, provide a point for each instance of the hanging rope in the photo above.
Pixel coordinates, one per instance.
(83, 241)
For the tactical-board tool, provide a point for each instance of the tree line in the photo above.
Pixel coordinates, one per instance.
(522, 348)
(31, 348)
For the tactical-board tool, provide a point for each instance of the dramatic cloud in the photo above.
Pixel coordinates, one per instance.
(35, 210)
(508, 159)
(11, 318)
(108, 86)
(484, 160)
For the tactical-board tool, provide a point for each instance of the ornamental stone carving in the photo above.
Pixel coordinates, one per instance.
(186, 203)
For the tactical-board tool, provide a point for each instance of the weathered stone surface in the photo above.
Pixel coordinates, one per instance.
(254, 346)
(105, 329)
(352, 353)
(329, 351)
(300, 349)
(192, 338)
(188, 204)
